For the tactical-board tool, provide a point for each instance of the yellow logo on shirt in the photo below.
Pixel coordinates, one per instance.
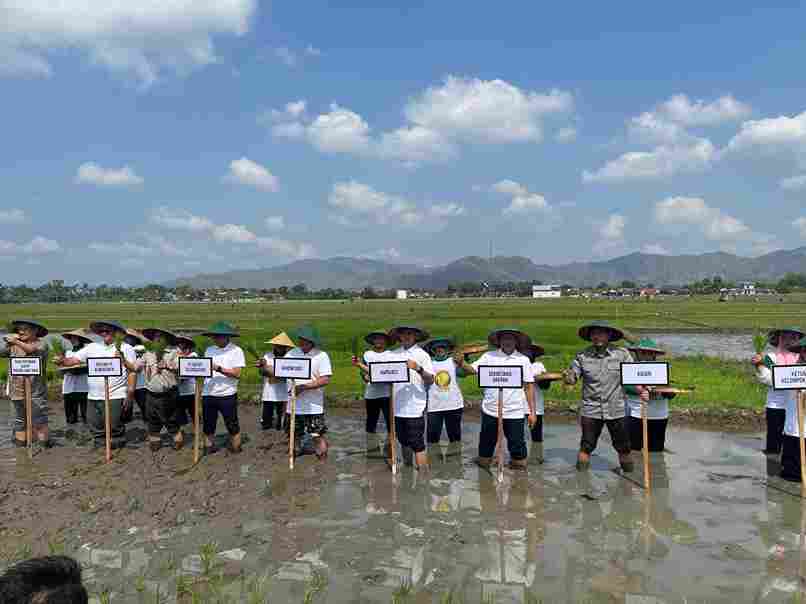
(443, 380)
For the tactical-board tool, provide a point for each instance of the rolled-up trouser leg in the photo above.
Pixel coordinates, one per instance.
(39, 414)
(618, 434)
(97, 421)
(591, 430)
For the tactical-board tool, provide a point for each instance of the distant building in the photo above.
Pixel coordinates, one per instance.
(546, 291)
(748, 288)
(402, 294)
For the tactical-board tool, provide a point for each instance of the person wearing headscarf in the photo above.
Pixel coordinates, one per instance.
(275, 390)
(221, 390)
(74, 381)
(657, 407)
(186, 395)
(790, 446)
(376, 396)
(518, 403)
(26, 340)
(162, 388)
(446, 404)
(781, 340)
(599, 368)
(118, 386)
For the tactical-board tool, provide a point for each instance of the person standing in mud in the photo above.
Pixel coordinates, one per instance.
(74, 383)
(534, 352)
(599, 367)
(411, 397)
(376, 396)
(162, 387)
(96, 415)
(275, 391)
(782, 340)
(518, 403)
(221, 390)
(446, 404)
(138, 362)
(790, 446)
(27, 340)
(657, 405)
(309, 418)
(186, 392)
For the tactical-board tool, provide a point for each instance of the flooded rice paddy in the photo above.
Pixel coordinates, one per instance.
(719, 526)
(723, 345)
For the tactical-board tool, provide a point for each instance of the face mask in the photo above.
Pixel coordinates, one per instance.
(441, 357)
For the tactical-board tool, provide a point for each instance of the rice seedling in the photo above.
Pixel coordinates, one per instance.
(316, 584)
(759, 342)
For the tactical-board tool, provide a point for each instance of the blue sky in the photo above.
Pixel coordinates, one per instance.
(186, 136)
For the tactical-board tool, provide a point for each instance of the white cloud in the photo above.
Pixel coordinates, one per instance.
(284, 247)
(654, 248)
(142, 39)
(180, 220)
(121, 248)
(447, 210)
(800, 225)
(275, 223)
(651, 128)
(246, 172)
(661, 162)
(93, 174)
(415, 144)
(771, 135)
(339, 131)
(509, 187)
(682, 110)
(610, 235)
(522, 202)
(35, 247)
(694, 211)
(566, 135)
(794, 183)
(13, 216)
(233, 233)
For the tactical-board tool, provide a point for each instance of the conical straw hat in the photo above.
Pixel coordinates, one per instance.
(281, 339)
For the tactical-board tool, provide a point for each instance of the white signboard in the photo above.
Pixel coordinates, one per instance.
(645, 374)
(389, 372)
(22, 366)
(104, 367)
(195, 367)
(500, 376)
(789, 377)
(292, 368)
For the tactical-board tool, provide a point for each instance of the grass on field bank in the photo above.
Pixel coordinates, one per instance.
(552, 323)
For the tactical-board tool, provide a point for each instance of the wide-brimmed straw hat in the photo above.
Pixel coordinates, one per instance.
(534, 351)
(154, 333)
(281, 339)
(78, 333)
(183, 337)
(113, 325)
(615, 333)
(798, 346)
(439, 341)
(523, 341)
(41, 330)
(373, 334)
(394, 333)
(310, 333)
(137, 335)
(221, 329)
(775, 334)
(646, 345)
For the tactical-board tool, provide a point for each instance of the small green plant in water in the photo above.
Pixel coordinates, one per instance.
(105, 596)
(316, 584)
(402, 593)
(56, 546)
(208, 554)
(257, 590)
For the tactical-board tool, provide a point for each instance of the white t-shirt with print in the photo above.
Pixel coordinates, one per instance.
(229, 357)
(187, 386)
(776, 399)
(448, 396)
(118, 386)
(376, 390)
(515, 404)
(540, 404)
(310, 402)
(277, 392)
(411, 396)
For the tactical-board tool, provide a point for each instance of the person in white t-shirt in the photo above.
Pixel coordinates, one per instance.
(376, 396)
(275, 391)
(657, 405)
(445, 401)
(309, 421)
(74, 382)
(138, 361)
(411, 397)
(186, 395)
(517, 402)
(534, 352)
(790, 450)
(118, 386)
(221, 390)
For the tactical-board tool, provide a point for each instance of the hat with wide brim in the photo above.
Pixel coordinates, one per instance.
(41, 330)
(523, 341)
(113, 325)
(646, 345)
(439, 341)
(137, 335)
(281, 339)
(154, 333)
(775, 334)
(77, 333)
(308, 332)
(394, 333)
(615, 333)
(534, 351)
(221, 329)
(183, 337)
(798, 346)
(373, 334)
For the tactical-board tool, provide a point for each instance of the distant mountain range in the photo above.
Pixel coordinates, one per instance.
(357, 273)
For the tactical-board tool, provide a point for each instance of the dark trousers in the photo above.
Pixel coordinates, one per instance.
(141, 399)
(410, 432)
(592, 429)
(376, 406)
(185, 409)
(537, 430)
(513, 432)
(656, 433)
(775, 430)
(270, 408)
(96, 418)
(453, 425)
(162, 413)
(790, 458)
(227, 406)
(75, 404)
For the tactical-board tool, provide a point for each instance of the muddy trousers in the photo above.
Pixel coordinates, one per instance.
(790, 458)
(185, 409)
(592, 429)
(140, 399)
(75, 406)
(270, 409)
(537, 430)
(162, 413)
(376, 406)
(513, 432)
(97, 421)
(775, 430)
(656, 431)
(453, 425)
(227, 406)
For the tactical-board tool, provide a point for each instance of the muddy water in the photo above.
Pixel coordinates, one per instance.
(730, 346)
(717, 527)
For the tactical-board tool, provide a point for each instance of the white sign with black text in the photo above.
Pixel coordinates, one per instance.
(389, 372)
(195, 367)
(25, 366)
(645, 374)
(500, 376)
(292, 368)
(104, 367)
(789, 377)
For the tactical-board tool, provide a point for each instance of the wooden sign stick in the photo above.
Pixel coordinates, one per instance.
(292, 427)
(645, 451)
(392, 433)
(197, 420)
(108, 421)
(802, 445)
(500, 437)
(29, 417)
